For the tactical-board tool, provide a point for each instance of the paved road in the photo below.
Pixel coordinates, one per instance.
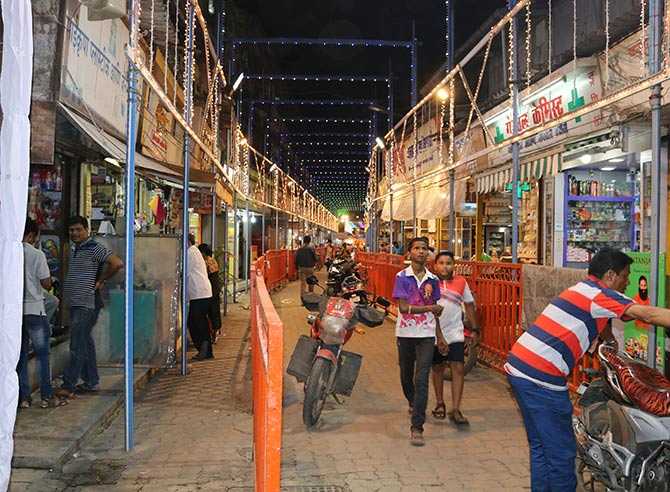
(195, 433)
(363, 444)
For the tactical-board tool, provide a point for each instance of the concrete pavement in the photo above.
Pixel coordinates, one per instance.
(195, 433)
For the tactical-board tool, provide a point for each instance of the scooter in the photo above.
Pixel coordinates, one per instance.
(622, 426)
(319, 360)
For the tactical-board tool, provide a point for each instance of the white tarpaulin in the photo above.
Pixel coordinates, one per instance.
(432, 201)
(15, 88)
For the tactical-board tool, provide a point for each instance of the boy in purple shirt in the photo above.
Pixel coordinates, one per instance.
(416, 291)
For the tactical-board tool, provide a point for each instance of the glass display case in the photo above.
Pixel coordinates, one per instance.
(599, 211)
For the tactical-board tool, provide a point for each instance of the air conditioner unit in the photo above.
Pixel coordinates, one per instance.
(105, 9)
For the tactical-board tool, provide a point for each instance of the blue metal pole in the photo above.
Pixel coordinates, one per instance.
(128, 322)
(413, 65)
(185, 212)
(514, 87)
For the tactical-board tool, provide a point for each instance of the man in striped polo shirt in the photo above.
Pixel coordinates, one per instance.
(542, 358)
(90, 265)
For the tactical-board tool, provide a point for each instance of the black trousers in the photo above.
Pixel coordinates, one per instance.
(415, 356)
(198, 323)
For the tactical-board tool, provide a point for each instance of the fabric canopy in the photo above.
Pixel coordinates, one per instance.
(432, 202)
(15, 91)
(115, 147)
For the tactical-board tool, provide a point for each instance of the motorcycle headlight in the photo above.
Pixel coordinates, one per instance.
(333, 329)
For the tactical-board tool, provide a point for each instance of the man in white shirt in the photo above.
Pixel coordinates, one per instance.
(199, 290)
(35, 324)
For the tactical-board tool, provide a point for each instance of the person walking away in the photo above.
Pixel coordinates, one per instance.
(416, 292)
(91, 265)
(35, 327)
(200, 301)
(215, 282)
(455, 295)
(542, 358)
(305, 260)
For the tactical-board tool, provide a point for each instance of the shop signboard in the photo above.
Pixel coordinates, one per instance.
(422, 154)
(636, 333)
(566, 90)
(158, 131)
(93, 79)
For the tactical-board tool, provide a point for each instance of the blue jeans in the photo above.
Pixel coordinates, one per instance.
(36, 329)
(547, 415)
(82, 349)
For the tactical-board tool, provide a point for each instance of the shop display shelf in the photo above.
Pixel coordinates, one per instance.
(589, 198)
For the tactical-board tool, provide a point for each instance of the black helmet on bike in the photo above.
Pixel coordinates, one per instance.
(350, 283)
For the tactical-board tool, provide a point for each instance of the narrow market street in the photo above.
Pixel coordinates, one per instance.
(174, 173)
(195, 432)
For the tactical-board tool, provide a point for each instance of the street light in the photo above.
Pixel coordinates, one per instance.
(238, 81)
(442, 94)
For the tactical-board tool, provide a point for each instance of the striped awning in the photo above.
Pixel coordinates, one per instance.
(549, 165)
(494, 181)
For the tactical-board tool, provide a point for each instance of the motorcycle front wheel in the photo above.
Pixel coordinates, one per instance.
(316, 391)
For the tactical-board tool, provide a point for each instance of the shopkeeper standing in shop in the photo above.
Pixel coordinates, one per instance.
(90, 265)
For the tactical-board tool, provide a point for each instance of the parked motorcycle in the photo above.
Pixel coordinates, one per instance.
(622, 426)
(318, 360)
(338, 270)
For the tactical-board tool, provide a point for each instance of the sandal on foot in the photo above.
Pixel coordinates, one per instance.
(440, 412)
(458, 418)
(52, 402)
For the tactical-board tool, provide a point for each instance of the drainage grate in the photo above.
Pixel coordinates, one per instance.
(297, 488)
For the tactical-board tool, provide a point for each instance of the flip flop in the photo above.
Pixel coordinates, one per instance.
(440, 412)
(458, 418)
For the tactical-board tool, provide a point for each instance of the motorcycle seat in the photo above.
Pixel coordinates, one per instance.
(645, 387)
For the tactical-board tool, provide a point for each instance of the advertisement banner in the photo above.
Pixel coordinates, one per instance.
(424, 154)
(93, 79)
(636, 333)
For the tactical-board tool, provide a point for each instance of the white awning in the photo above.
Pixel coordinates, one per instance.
(496, 180)
(115, 147)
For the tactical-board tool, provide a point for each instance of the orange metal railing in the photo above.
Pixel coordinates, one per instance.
(267, 366)
(498, 291)
(292, 269)
(276, 268)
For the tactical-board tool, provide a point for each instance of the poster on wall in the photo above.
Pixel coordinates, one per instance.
(636, 333)
(50, 246)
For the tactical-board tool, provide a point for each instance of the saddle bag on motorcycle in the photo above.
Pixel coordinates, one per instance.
(644, 386)
(311, 301)
(347, 374)
(302, 358)
(369, 316)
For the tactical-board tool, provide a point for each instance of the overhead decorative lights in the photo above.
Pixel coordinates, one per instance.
(442, 94)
